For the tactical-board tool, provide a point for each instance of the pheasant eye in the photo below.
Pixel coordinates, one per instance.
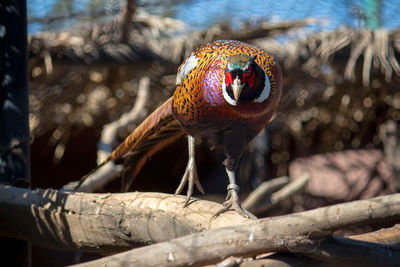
(247, 74)
(249, 77)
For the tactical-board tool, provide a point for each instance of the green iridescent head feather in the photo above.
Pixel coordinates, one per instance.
(239, 61)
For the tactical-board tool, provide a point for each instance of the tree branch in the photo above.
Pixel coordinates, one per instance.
(284, 193)
(109, 135)
(103, 223)
(263, 190)
(299, 232)
(332, 252)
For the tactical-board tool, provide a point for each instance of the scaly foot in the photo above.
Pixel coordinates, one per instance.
(232, 203)
(190, 174)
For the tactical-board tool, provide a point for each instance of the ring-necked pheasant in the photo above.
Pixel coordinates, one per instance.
(226, 92)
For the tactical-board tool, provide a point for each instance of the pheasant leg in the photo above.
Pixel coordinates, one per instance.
(190, 174)
(232, 199)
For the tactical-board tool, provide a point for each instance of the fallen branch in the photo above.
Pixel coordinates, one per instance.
(263, 190)
(109, 134)
(294, 232)
(388, 236)
(103, 223)
(335, 250)
(283, 193)
(290, 189)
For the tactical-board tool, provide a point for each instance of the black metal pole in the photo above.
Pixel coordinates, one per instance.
(14, 115)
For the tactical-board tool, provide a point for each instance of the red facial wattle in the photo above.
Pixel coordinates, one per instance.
(228, 78)
(249, 77)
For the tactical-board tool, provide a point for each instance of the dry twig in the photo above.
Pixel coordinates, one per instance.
(292, 188)
(263, 190)
(284, 193)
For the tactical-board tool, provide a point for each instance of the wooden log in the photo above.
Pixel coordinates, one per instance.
(103, 223)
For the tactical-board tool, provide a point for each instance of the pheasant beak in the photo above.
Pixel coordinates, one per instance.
(237, 87)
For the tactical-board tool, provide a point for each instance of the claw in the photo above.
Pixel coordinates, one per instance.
(190, 175)
(232, 203)
(232, 199)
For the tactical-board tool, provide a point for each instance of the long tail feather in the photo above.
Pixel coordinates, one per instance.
(136, 161)
(139, 138)
(157, 131)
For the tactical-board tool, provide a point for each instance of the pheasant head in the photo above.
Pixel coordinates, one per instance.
(244, 81)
